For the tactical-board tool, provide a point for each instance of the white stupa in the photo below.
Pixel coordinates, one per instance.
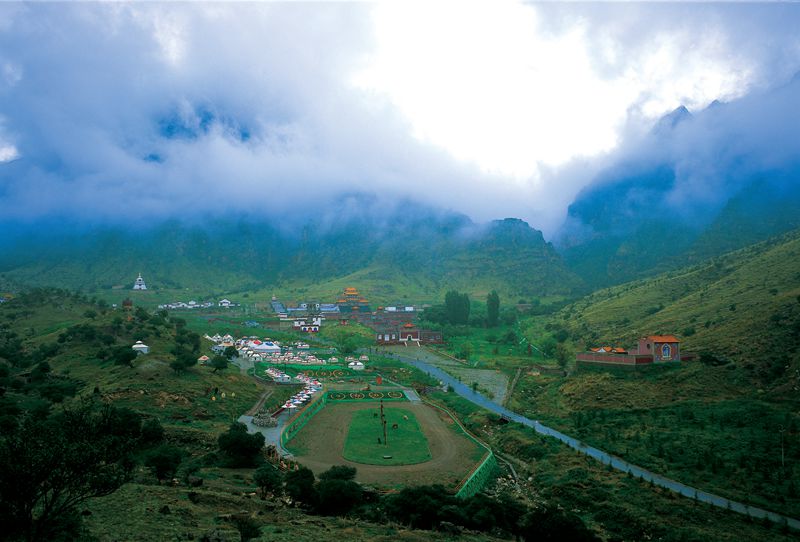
(139, 284)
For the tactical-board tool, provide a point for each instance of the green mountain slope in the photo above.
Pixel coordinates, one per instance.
(417, 257)
(743, 306)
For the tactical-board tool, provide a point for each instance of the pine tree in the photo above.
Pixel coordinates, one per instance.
(492, 308)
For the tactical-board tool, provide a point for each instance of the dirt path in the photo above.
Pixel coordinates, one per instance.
(261, 400)
(513, 385)
(453, 454)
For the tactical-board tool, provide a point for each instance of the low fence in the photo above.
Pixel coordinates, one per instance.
(312, 370)
(483, 472)
(302, 418)
(476, 480)
(343, 396)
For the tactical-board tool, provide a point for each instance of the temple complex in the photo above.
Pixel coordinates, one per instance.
(352, 301)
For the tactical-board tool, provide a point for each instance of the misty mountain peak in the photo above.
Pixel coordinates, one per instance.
(672, 119)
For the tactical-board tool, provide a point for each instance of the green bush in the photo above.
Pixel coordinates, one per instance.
(164, 460)
(339, 472)
(337, 497)
(268, 479)
(240, 448)
(300, 486)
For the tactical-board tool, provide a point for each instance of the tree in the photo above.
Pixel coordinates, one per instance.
(152, 432)
(300, 486)
(183, 359)
(248, 528)
(123, 355)
(339, 472)
(548, 346)
(239, 447)
(492, 308)
(510, 337)
(164, 460)
(346, 341)
(141, 314)
(48, 468)
(543, 525)
(337, 497)
(563, 355)
(219, 363)
(268, 479)
(419, 506)
(456, 307)
(230, 352)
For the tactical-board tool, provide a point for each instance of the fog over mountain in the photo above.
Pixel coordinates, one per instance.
(697, 185)
(139, 113)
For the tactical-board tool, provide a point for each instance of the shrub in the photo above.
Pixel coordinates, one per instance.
(247, 527)
(164, 460)
(419, 506)
(337, 497)
(300, 486)
(219, 363)
(547, 524)
(268, 479)
(152, 432)
(339, 472)
(239, 447)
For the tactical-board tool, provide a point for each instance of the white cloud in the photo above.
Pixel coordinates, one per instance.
(512, 86)
(498, 109)
(8, 153)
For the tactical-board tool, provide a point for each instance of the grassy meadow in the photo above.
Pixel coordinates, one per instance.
(406, 445)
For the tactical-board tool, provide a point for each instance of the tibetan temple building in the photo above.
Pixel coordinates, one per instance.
(650, 349)
(352, 301)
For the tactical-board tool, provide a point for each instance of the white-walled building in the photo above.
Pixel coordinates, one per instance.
(139, 284)
(141, 348)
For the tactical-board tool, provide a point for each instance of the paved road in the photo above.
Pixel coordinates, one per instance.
(606, 458)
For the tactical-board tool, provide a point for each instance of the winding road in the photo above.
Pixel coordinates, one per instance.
(604, 457)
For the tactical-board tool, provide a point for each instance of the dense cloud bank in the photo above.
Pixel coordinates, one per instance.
(143, 112)
(691, 165)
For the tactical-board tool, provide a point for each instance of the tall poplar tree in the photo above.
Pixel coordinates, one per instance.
(492, 308)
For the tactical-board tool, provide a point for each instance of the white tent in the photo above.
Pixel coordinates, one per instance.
(356, 365)
(141, 348)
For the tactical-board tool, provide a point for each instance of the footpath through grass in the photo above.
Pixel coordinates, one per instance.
(407, 444)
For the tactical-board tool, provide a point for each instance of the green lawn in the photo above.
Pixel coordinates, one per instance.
(407, 444)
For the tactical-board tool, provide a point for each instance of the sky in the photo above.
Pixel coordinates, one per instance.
(146, 110)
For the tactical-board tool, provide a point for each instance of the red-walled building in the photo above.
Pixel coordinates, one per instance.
(651, 349)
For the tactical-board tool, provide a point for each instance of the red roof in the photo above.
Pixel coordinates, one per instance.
(610, 349)
(663, 338)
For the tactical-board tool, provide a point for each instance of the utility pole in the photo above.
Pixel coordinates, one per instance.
(781, 430)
